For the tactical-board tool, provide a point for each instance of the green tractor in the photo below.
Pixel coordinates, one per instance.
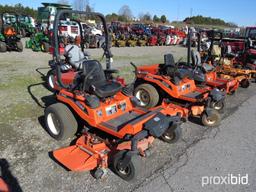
(10, 40)
(46, 15)
(38, 42)
(26, 25)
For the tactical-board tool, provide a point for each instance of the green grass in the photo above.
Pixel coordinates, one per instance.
(19, 82)
(20, 110)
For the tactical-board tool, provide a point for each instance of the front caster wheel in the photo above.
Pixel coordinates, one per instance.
(211, 118)
(245, 83)
(172, 134)
(219, 105)
(130, 172)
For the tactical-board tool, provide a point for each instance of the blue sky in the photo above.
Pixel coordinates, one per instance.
(241, 12)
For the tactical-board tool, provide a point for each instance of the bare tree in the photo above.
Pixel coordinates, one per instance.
(82, 5)
(126, 12)
(145, 17)
(64, 2)
(79, 5)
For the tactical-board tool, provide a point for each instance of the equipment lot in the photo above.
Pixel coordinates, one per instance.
(25, 144)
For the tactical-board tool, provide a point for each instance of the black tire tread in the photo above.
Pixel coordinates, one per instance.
(67, 121)
(154, 95)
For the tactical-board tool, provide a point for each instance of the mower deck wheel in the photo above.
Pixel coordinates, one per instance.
(60, 122)
(172, 134)
(212, 119)
(245, 83)
(3, 47)
(131, 171)
(19, 46)
(147, 94)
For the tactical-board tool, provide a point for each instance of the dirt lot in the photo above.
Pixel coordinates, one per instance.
(25, 144)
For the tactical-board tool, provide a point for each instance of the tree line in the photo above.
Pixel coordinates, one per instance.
(19, 9)
(201, 20)
(124, 14)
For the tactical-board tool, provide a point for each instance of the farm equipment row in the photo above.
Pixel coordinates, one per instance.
(120, 121)
(117, 122)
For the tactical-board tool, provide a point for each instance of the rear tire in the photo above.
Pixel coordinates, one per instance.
(60, 121)
(3, 47)
(131, 171)
(50, 80)
(147, 94)
(19, 46)
(45, 47)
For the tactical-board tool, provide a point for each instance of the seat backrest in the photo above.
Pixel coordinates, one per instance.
(196, 58)
(93, 72)
(169, 60)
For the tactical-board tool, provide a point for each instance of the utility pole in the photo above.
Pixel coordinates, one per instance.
(191, 12)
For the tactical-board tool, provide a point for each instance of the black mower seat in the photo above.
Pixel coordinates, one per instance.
(106, 88)
(95, 81)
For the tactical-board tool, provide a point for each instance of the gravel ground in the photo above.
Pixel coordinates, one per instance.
(25, 145)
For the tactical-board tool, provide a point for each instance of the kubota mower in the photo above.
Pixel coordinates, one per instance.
(204, 73)
(225, 62)
(105, 106)
(9, 39)
(159, 81)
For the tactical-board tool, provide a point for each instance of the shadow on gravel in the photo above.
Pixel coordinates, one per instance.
(47, 100)
(9, 179)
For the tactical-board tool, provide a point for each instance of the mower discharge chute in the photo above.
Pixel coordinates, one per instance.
(159, 81)
(107, 107)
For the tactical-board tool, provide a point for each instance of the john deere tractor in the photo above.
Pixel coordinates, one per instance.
(9, 38)
(26, 25)
(39, 42)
